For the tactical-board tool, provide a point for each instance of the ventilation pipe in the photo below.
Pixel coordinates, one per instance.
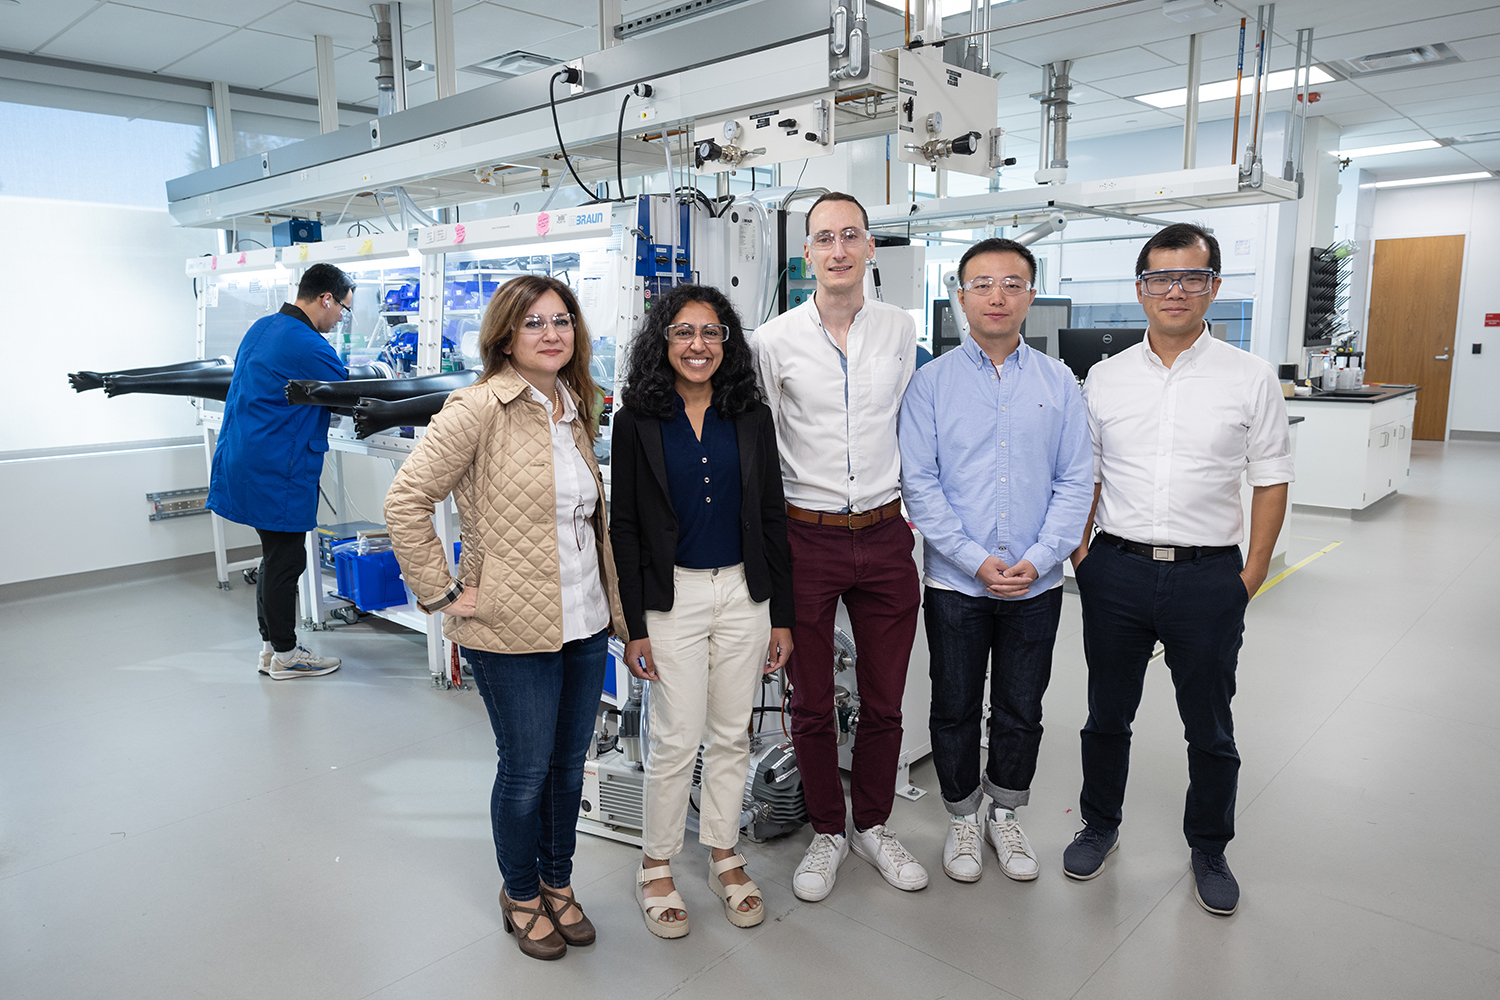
(390, 58)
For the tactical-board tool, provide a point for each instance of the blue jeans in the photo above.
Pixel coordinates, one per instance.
(542, 708)
(1197, 610)
(964, 635)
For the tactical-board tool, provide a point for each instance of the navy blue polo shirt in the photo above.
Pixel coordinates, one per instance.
(704, 480)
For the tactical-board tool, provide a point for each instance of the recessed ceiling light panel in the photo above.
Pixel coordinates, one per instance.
(1392, 147)
(1481, 175)
(1223, 89)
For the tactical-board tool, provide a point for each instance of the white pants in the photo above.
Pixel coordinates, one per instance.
(710, 651)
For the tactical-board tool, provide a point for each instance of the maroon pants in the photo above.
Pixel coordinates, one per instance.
(872, 570)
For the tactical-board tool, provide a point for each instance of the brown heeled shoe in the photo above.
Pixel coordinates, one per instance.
(580, 932)
(545, 948)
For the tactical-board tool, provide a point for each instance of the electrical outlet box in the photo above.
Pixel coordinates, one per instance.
(796, 268)
(796, 296)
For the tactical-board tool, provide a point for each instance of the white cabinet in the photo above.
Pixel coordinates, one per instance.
(1352, 452)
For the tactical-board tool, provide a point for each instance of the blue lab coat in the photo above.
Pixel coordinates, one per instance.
(270, 453)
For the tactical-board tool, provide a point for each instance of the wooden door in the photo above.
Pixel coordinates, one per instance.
(1413, 322)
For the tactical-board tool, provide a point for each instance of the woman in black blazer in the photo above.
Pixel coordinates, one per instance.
(698, 527)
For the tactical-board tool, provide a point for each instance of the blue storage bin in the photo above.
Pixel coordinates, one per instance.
(371, 581)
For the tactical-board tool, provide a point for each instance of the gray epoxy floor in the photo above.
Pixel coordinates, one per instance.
(174, 825)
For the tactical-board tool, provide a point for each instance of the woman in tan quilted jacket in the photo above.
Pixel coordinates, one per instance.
(535, 595)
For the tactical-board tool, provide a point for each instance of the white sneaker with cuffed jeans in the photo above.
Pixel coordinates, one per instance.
(709, 651)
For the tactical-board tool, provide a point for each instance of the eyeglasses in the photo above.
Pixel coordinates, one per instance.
(1192, 282)
(562, 323)
(347, 307)
(685, 333)
(580, 522)
(825, 239)
(1010, 286)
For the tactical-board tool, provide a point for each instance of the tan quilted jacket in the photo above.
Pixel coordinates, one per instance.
(491, 448)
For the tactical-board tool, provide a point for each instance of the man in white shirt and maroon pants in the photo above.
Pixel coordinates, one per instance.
(1177, 421)
(834, 370)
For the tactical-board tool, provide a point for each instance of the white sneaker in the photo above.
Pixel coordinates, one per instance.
(962, 859)
(266, 652)
(814, 877)
(879, 846)
(1017, 860)
(301, 662)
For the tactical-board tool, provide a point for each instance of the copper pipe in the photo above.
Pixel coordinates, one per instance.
(1260, 67)
(1239, 77)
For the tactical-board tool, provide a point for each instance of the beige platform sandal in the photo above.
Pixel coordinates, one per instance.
(733, 895)
(653, 907)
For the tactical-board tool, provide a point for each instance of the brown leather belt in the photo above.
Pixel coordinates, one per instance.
(861, 519)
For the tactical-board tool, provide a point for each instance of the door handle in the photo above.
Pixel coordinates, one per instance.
(1440, 357)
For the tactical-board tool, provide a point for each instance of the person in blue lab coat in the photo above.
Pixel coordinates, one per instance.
(270, 456)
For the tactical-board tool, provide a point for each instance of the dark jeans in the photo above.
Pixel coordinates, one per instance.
(542, 708)
(872, 570)
(283, 558)
(964, 635)
(1197, 610)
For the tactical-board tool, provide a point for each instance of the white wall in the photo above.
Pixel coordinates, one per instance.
(1473, 211)
(78, 513)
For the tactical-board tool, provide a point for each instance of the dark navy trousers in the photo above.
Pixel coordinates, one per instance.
(1196, 608)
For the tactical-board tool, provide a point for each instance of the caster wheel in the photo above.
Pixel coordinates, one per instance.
(349, 616)
(250, 575)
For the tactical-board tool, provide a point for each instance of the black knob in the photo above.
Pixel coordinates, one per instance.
(966, 144)
(705, 151)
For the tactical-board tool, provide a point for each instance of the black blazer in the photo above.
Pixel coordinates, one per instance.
(643, 525)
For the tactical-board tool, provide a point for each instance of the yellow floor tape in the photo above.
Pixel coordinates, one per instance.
(1273, 581)
(1292, 569)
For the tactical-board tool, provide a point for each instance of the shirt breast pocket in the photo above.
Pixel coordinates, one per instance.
(885, 378)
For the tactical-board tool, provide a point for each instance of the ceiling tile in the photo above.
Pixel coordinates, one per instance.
(1411, 29)
(1468, 122)
(1459, 77)
(1448, 105)
(353, 80)
(570, 45)
(237, 13)
(1410, 98)
(155, 39)
(25, 27)
(486, 30)
(1121, 62)
(1365, 129)
(575, 13)
(1482, 47)
(304, 20)
(248, 58)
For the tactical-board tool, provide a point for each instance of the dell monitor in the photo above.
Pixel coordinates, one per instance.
(1079, 349)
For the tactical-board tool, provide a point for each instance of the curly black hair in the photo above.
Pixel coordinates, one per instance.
(650, 379)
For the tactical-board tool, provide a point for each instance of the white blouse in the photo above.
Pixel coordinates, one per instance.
(585, 608)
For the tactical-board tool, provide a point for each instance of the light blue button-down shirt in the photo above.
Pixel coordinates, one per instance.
(995, 463)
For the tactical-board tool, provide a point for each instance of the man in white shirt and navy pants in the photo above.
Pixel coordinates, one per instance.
(834, 370)
(1177, 421)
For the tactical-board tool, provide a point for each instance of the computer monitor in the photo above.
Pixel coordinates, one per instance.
(945, 330)
(1079, 349)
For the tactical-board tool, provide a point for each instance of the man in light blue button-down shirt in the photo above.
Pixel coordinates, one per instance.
(997, 475)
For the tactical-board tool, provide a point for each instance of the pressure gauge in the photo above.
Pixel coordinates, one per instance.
(935, 123)
(731, 130)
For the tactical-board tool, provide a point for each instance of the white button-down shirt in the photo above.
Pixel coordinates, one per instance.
(585, 609)
(836, 414)
(1172, 445)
